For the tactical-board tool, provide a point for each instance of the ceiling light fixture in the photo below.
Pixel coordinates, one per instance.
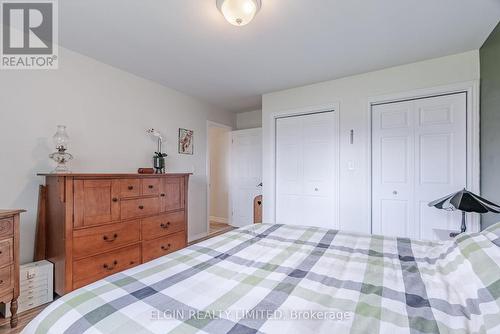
(239, 12)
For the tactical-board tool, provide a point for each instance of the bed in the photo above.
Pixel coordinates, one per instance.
(292, 279)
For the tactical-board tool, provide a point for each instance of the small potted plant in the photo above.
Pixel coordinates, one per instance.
(159, 158)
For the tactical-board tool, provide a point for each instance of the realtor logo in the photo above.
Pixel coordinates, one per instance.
(29, 35)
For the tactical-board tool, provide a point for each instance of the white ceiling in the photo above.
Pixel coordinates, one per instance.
(187, 45)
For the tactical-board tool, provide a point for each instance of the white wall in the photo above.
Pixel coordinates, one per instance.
(249, 120)
(218, 141)
(107, 112)
(352, 95)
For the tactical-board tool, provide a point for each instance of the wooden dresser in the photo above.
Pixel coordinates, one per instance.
(9, 260)
(101, 224)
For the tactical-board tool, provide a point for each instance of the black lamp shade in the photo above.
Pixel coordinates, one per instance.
(466, 201)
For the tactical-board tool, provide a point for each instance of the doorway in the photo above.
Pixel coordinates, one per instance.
(218, 165)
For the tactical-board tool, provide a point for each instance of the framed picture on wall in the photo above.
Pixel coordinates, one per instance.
(186, 141)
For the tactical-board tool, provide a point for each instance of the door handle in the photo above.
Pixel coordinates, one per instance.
(259, 185)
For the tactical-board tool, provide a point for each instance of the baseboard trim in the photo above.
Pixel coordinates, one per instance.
(197, 237)
(218, 220)
(213, 235)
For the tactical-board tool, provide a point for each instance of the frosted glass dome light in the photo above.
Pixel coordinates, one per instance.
(239, 12)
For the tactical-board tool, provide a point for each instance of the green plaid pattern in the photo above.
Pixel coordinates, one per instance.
(291, 279)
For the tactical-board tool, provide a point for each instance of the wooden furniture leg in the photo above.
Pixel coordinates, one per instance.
(13, 311)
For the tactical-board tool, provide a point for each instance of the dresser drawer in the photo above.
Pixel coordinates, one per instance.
(6, 227)
(28, 302)
(163, 225)
(40, 283)
(98, 240)
(5, 278)
(94, 268)
(162, 246)
(34, 294)
(134, 208)
(130, 188)
(6, 252)
(150, 186)
(34, 280)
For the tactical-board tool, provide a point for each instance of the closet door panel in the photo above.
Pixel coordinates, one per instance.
(392, 169)
(440, 159)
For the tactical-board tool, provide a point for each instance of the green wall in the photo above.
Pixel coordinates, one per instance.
(490, 122)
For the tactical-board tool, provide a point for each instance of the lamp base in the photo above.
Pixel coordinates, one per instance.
(463, 227)
(62, 158)
(61, 169)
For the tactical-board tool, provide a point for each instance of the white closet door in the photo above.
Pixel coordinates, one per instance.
(392, 173)
(306, 170)
(419, 154)
(246, 174)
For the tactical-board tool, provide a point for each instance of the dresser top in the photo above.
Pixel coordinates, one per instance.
(110, 175)
(8, 213)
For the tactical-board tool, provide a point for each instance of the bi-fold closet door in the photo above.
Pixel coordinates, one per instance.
(307, 170)
(419, 153)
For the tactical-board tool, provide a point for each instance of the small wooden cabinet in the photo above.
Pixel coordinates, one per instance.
(9, 260)
(100, 224)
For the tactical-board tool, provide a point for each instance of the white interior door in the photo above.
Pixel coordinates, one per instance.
(306, 170)
(246, 174)
(419, 153)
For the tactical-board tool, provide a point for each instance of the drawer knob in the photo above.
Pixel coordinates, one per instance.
(150, 186)
(141, 207)
(165, 226)
(110, 267)
(130, 187)
(108, 239)
(165, 248)
(162, 195)
(115, 199)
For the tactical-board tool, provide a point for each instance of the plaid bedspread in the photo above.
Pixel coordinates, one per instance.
(290, 279)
